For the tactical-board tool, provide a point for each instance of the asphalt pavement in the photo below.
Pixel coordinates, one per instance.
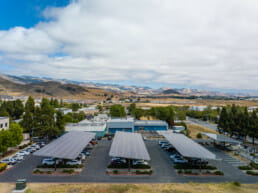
(95, 166)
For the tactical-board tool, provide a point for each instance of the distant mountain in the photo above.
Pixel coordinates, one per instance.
(116, 88)
(50, 88)
(170, 91)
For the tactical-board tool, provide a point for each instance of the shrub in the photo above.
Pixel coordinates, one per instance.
(141, 166)
(144, 172)
(244, 167)
(188, 166)
(254, 165)
(188, 172)
(115, 172)
(180, 171)
(49, 172)
(69, 171)
(36, 171)
(219, 173)
(253, 173)
(3, 166)
(199, 135)
(236, 183)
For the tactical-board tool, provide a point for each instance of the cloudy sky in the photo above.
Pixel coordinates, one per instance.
(195, 44)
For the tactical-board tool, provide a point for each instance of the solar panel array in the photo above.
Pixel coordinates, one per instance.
(68, 146)
(186, 146)
(221, 138)
(129, 145)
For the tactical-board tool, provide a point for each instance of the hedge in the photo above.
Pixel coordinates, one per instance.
(254, 165)
(69, 171)
(141, 166)
(244, 167)
(188, 166)
(253, 173)
(144, 172)
(3, 166)
(122, 166)
(219, 173)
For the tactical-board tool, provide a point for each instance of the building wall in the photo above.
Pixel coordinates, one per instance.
(4, 123)
(150, 128)
(113, 130)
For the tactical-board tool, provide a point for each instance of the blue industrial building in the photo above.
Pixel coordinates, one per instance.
(131, 125)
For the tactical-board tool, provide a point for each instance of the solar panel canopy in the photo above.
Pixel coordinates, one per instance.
(221, 138)
(68, 146)
(187, 147)
(129, 145)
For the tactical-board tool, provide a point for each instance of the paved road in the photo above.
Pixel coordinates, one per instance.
(95, 166)
(202, 123)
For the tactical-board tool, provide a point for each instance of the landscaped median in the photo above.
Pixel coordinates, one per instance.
(3, 167)
(251, 169)
(59, 169)
(122, 169)
(187, 169)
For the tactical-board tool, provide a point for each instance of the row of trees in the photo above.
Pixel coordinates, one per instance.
(11, 137)
(117, 111)
(12, 109)
(205, 115)
(42, 120)
(236, 120)
(162, 113)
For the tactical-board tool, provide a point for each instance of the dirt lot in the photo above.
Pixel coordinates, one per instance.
(136, 188)
(195, 129)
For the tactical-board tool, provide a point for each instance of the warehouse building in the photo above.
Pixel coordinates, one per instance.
(131, 125)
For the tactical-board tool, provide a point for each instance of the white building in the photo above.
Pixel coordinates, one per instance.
(4, 123)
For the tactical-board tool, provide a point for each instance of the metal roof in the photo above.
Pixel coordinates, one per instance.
(221, 138)
(150, 123)
(129, 145)
(68, 146)
(120, 123)
(186, 146)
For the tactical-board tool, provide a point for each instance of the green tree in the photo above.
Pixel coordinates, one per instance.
(100, 107)
(131, 108)
(75, 107)
(253, 127)
(223, 124)
(15, 132)
(5, 140)
(60, 121)
(30, 105)
(18, 109)
(117, 111)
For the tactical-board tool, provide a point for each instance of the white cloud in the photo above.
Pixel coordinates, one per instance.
(193, 43)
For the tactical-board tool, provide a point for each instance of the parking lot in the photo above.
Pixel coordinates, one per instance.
(96, 163)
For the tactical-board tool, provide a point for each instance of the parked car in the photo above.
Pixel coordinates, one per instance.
(9, 161)
(30, 149)
(18, 157)
(180, 160)
(86, 152)
(23, 153)
(35, 146)
(122, 160)
(109, 137)
(74, 162)
(81, 156)
(51, 161)
(140, 162)
(173, 156)
(162, 142)
(165, 146)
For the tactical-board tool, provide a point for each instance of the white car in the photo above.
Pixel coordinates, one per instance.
(9, 161)
(74, 162)
(140, 162)
(180, 160)
(51, 161)
(23, 153)
(18, 157)
(37, 147)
